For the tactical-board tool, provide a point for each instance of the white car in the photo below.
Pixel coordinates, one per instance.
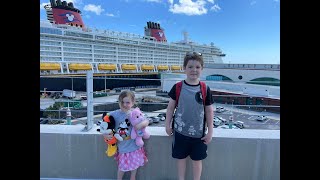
(261, 118)
(224, 121)
(239, 124)
(217, 121)
(220, 109)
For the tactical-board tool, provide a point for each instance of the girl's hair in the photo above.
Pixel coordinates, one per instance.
(124, 94)
(193, 56)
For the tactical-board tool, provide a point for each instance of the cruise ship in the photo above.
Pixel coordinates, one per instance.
(69, 48)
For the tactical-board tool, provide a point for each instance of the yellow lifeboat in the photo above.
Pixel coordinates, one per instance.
(77, 66)
(163, 67)
(147, 67)
(128, 67)
(50, 66)
(107, 67)
(175, 67)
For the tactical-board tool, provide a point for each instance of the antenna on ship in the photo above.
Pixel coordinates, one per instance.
(185, 36)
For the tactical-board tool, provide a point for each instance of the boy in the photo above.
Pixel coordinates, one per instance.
(188, 129)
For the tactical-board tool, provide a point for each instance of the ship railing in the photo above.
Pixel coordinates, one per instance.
(89, 104)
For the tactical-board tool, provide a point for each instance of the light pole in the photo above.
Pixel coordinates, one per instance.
(231, 117)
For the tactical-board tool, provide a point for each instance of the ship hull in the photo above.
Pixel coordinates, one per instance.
(99, 83)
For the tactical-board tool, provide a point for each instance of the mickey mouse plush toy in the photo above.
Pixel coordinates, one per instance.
(107, 127)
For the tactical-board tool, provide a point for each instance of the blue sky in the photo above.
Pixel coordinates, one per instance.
(247, 31)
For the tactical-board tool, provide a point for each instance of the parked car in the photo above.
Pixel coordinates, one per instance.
(216, 122)
(220, 109)
(155, 119)
(224, 121)
(83, 97)
(261, 118)
(239, 124)
(162, 114)
(161, 117)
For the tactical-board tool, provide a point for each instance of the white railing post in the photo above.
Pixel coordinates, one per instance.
(89, 79)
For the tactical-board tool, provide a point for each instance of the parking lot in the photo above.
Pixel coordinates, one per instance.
(247, 117)
(250, 120)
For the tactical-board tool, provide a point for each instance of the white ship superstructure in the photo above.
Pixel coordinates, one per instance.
(71, 48)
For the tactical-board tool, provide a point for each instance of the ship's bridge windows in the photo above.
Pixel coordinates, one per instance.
(50, 30)
(78, 34)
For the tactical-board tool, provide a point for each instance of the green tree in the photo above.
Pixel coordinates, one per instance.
(53, 113)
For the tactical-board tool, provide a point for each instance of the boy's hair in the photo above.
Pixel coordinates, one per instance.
(193, 56)
(124, 94)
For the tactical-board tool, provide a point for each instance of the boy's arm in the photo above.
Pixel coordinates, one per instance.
(209, 118)
(169, 114)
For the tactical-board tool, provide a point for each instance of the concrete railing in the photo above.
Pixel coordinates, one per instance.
(234, 154)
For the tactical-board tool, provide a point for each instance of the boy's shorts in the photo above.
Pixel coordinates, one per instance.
(184, 146)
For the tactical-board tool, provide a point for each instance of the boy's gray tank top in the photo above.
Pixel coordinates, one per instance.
(189, 115)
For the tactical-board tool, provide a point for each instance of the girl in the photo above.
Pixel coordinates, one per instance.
(129, 156)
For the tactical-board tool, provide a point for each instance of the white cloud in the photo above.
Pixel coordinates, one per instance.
(170, 2)
(253, 3)
(94, 8)
(42, 5)
(110, 14)
(189, 7)
(215, 8)
(211, 1)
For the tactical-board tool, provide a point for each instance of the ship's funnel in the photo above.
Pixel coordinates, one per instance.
(70, 4)
(53, 3)
(155, 31)
(64, 3)
(59, 3)
(65, 13)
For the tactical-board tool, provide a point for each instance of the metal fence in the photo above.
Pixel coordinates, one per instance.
(93, 95)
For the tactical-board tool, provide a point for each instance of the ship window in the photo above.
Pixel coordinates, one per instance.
(76, 25)
(80, 25)
(71, 24)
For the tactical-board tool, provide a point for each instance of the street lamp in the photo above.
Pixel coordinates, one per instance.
(231, 117)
